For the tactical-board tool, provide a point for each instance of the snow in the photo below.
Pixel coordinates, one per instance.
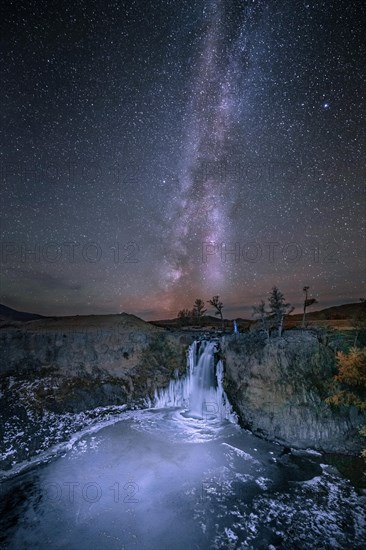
(48, 433)
(241, 453)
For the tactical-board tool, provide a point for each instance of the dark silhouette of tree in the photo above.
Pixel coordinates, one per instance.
(218, 305)
(185, 316)
(307, 303)
(278, 308)
(199, 309)
(260, 313)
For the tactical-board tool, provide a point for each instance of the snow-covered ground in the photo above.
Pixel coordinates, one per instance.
(28, 429)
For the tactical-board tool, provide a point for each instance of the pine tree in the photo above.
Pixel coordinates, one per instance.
(278, 308)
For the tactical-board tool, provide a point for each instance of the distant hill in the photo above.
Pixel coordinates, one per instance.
(206, 320)
(344, 312)
(9, 314)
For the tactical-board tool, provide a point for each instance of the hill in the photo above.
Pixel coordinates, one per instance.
(177, 323)
(337, 315)
(9, 314)
(345, 311)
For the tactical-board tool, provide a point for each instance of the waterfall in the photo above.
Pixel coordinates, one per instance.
(201, 391)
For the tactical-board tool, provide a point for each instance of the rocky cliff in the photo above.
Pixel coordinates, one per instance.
(54, 370)
(92, 360)
(278, 390)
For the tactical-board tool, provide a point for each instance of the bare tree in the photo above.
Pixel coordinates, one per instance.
(218, 305)
(307, 303)
(262, 315)
(278, 308)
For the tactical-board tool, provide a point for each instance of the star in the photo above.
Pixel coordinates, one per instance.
(133, 143)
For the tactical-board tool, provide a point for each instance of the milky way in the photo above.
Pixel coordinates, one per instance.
(153, 154)
(215, 108)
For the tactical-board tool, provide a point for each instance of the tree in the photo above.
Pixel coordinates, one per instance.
(184, 316)
(352, 368)
(218, 305)
(307, 303)
(199, 309)
(262, 315)
(350, 382)
(278, 308)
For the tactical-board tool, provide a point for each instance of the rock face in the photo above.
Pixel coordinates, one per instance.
(278, 390)
(75, 363)
(60, 376)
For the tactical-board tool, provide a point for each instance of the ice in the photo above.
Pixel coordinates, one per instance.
(170, 477)
(241, 453)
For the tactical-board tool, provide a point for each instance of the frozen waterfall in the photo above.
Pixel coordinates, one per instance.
(201, 391)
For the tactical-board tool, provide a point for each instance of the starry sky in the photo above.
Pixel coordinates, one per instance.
(156, 152)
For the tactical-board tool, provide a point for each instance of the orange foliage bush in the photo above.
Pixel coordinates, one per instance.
(352, 368)
(352, 373)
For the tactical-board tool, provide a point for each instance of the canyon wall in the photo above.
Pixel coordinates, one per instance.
(278, 389)
(75, 363)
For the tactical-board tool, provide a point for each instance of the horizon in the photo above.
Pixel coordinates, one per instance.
(297, 311)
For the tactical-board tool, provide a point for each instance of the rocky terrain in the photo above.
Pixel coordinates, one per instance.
(279, 388)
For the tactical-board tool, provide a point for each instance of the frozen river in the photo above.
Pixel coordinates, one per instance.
(170, 478)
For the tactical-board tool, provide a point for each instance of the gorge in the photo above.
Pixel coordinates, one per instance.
(116, 431)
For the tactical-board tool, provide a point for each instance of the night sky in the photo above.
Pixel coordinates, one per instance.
(156, 152)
